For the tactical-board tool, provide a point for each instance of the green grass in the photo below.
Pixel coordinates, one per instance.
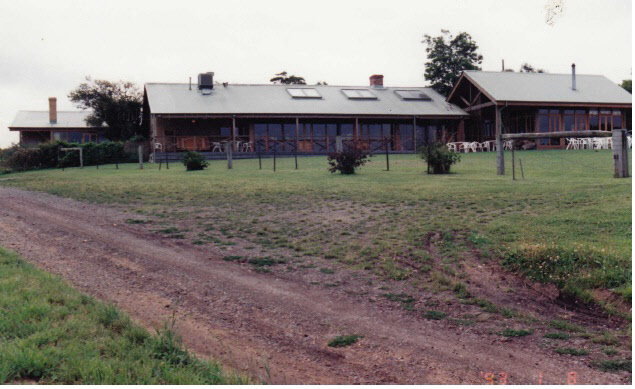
(614, 365)
(52, 334)
(344, 340)
(564, 325)
(572, 351)
(557, 335)
(568, 223)
(435, 315)
(509, 332)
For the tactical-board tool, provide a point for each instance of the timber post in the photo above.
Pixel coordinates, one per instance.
(500, 151)
(81, 158)
(338, 144)
(228, 149)
(620, 154)
(139, 152)
(513, 161)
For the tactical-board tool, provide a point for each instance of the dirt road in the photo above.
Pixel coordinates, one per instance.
(275, 326)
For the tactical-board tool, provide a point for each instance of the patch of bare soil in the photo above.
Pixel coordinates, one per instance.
(276, 325)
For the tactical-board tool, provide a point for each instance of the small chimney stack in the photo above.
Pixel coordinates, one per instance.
(573, 76)
(53, 110)
(377, 81)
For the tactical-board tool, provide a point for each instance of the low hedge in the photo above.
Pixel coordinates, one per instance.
(48, 155)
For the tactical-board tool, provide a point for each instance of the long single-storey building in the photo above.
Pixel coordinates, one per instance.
(538, 102)
(306, 118)
(48, 126)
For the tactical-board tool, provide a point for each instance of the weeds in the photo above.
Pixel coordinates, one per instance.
(344, 340)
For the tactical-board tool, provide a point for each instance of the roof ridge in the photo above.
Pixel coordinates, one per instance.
(292, 85)
(536, 73)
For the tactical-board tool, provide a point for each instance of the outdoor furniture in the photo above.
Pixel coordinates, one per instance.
(573, 144)
(485, 146)
(217, 147)
(451, 146)
(247, 147)
(158, 146)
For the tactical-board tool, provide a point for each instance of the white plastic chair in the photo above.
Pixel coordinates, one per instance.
(247, 147)
(217, 147)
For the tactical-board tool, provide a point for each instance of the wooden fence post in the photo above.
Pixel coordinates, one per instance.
(338, 144)
(620, 154)
(513, 161)
(500, 151)
(228, 150)
(140, 152)
(81, 158)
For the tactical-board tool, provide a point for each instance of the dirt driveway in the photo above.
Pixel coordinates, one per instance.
(274, 326)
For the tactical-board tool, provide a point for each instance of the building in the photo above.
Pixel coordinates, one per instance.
(48, 126)
(538, 102)
(286, 118)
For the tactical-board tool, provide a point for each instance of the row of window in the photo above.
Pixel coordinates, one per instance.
(78, 136)
(358, 94)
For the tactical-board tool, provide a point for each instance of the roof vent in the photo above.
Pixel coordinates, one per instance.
(206, 80)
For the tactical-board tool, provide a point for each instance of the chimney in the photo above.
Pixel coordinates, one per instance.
(573, 76)
(377, 81)
(53, 110)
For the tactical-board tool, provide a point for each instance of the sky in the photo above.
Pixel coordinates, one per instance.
(47, 48)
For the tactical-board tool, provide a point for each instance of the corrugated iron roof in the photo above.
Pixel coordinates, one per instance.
(40, 119)
(547, 87)
(274, 99)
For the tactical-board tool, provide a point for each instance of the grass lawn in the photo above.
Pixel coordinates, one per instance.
(52, 334)
(568, 222)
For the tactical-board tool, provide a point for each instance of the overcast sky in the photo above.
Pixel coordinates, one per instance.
(48, 47)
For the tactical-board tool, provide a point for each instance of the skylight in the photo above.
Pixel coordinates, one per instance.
(359, 94)
(304, 93)
(412, 95)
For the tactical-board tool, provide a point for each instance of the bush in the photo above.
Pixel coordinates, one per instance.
(348, 160)
(439, 157)
(48, 155)
(194, 160)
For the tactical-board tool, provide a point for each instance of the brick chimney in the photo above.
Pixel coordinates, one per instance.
(53, 110)
(377, 80)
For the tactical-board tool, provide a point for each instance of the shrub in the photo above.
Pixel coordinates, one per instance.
(194, 160)
(348, 160)
(439, 157)
(48, 155)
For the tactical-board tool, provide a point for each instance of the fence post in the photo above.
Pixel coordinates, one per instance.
(387, 161)
(513, 161)
(140, 152)
(228, 150)
(167, 164)
(620, 154)
(338, 144)
(274, 157)
(259, 156)
(81, 158)
(500, 156)
(295, 155)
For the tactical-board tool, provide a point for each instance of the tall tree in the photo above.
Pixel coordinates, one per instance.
(118, 104)
(448, 56)
(283, 78)
(628, 85)
(527, 68)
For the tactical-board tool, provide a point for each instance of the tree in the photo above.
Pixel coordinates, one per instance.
(527, 68)
(118, 104)
(448, 56)
(282, 78)
(628, 85)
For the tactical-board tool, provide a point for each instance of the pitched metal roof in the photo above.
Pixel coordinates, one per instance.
(547, 87)
(274, 99)
(40, 119)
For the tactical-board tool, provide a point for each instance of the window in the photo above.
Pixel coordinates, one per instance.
(304, 93)
(412, 95)
(359, 94)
